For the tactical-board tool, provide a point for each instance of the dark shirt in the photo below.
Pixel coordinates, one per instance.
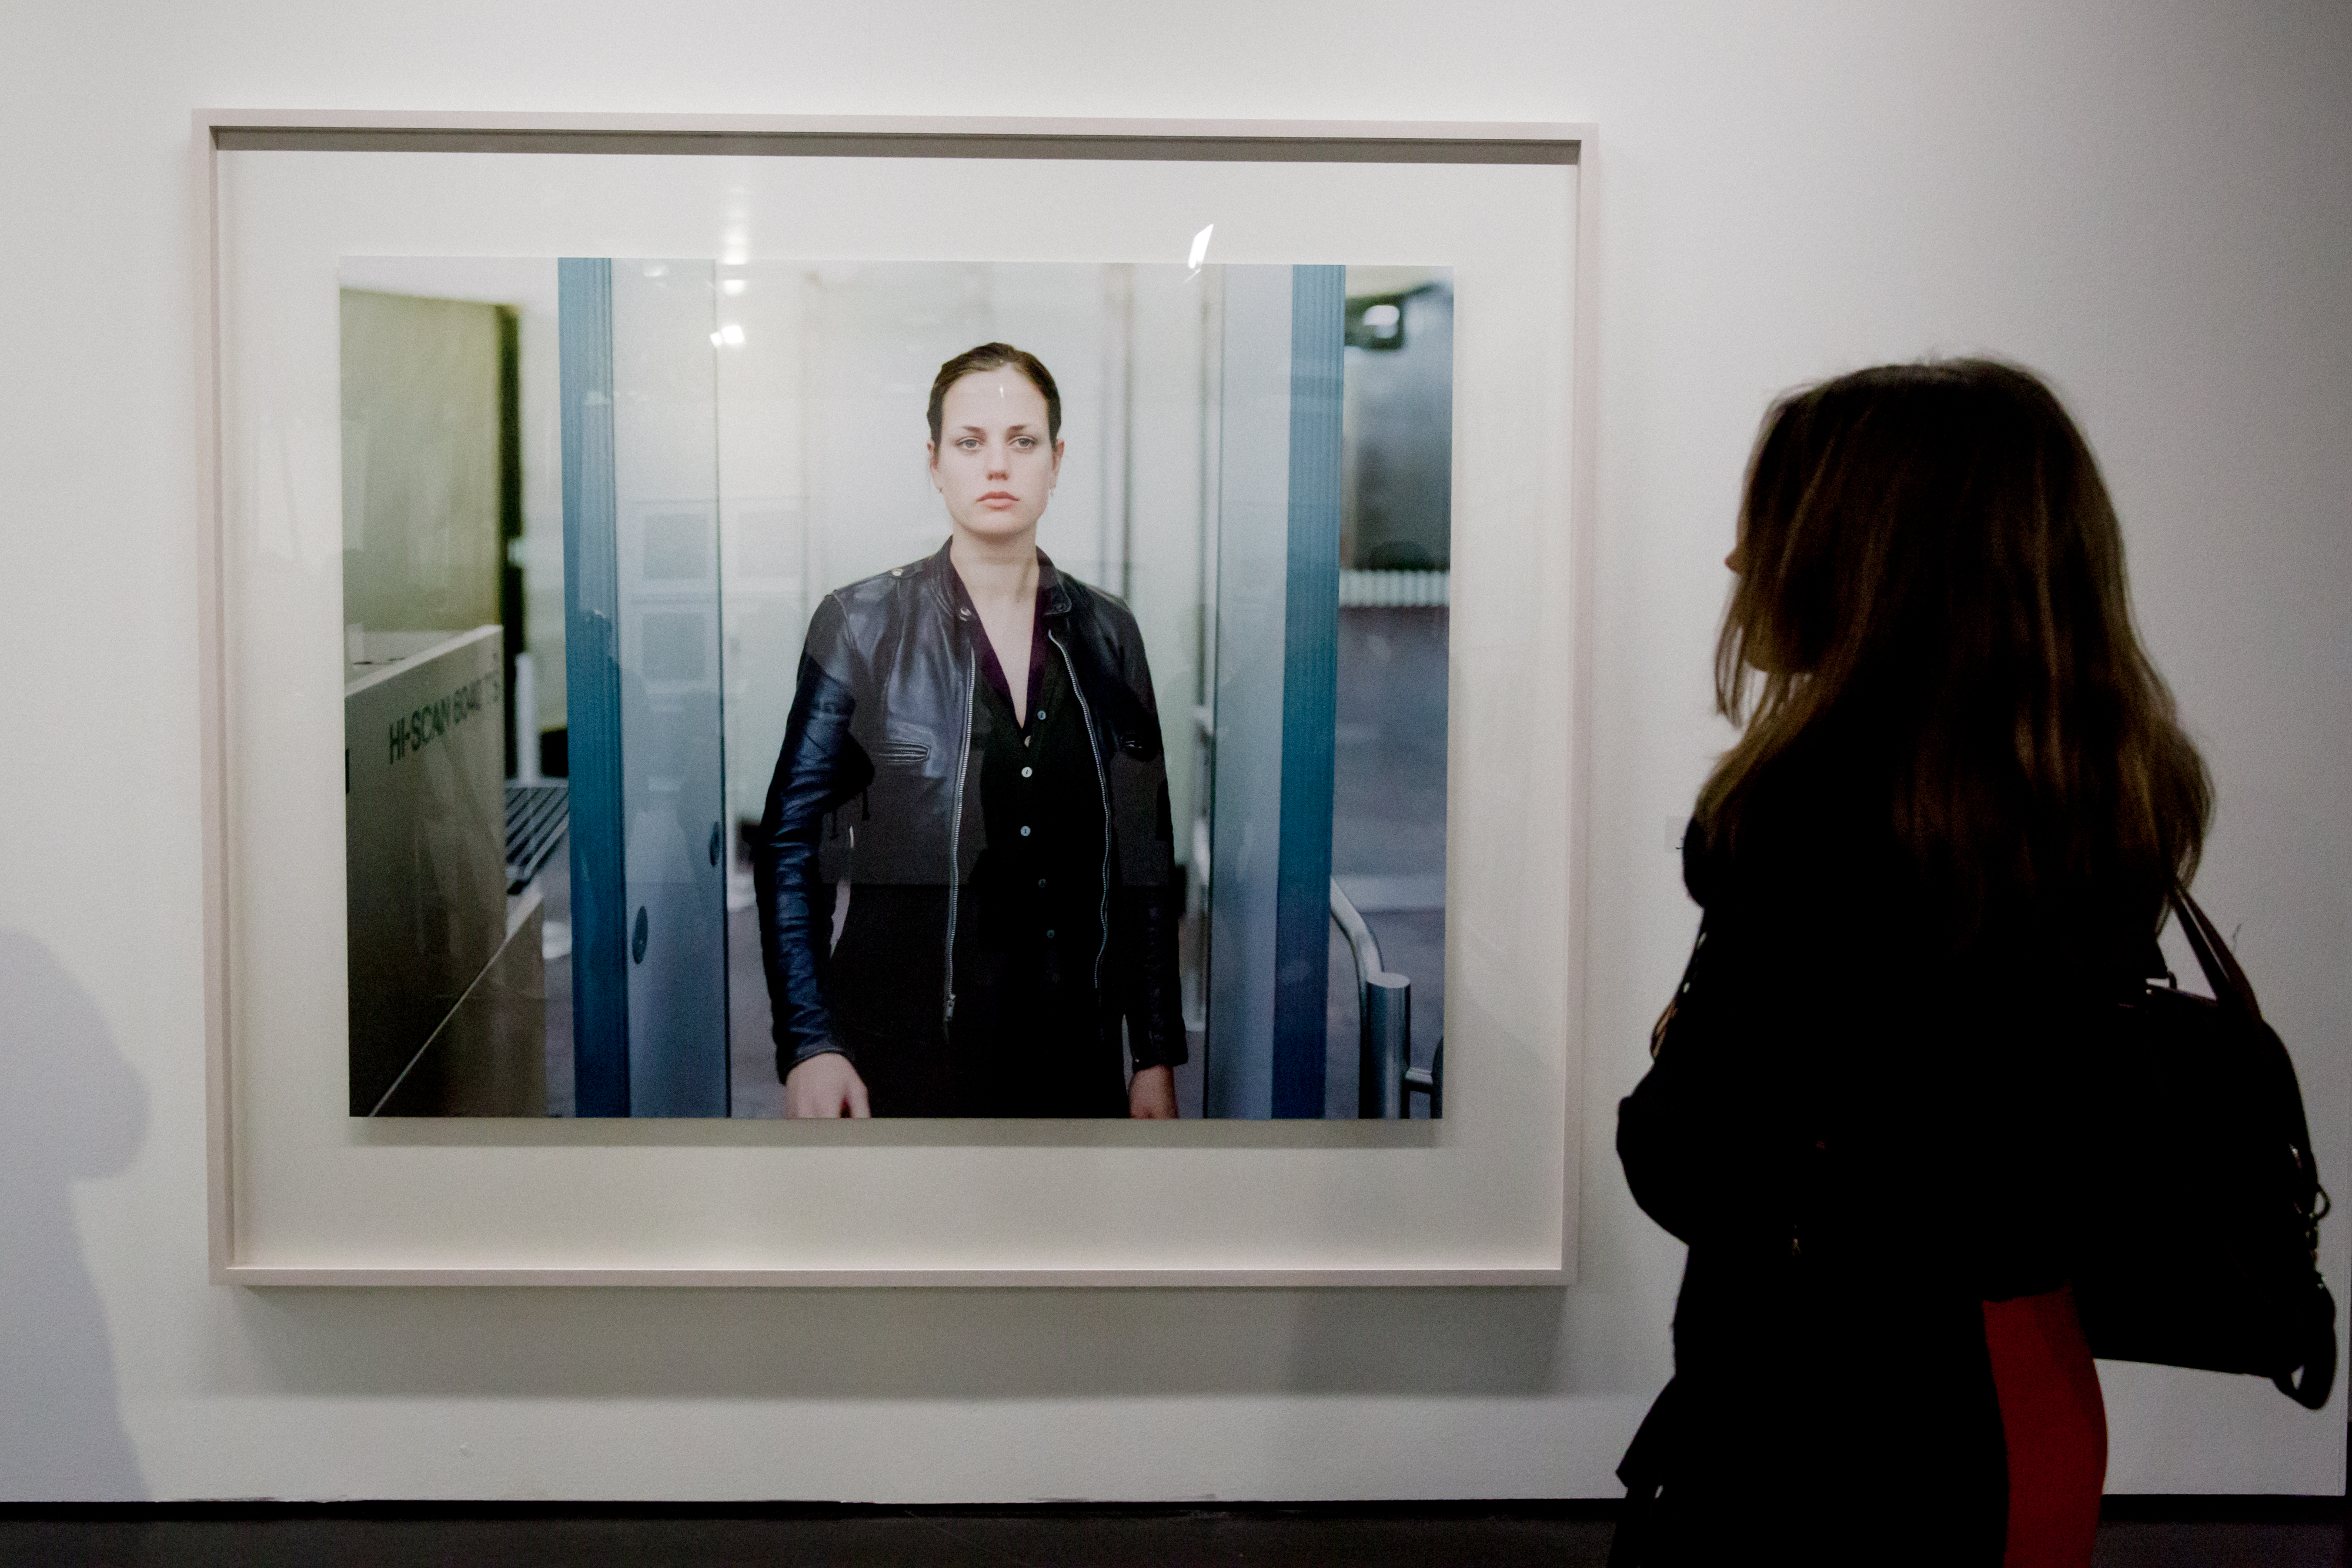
(991, 669)
(1027, 1036)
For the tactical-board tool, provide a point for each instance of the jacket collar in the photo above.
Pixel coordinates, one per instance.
(1056, 593)
(940, 573)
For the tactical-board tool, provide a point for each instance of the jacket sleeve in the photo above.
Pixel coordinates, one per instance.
(1153, 1005)
(1828, 1086)
(1148, 908)
(1711, 1138)
(820, 766)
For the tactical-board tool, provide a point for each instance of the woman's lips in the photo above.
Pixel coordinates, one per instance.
(999, 498)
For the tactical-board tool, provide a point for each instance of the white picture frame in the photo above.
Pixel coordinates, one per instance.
(300, 1194)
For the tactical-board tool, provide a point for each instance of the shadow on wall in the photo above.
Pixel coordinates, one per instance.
(69, 1107)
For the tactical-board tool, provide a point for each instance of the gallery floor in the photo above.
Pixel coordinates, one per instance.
(2141, 1532)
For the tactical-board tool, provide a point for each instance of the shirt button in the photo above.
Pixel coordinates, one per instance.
(1027, 738)
(1024, 773)
(1025, 830)
(1041, 882)
(1049, 936)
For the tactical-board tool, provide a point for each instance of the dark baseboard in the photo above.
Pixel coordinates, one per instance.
(2159, 1506)
(2221, 1508)
(440, 1509)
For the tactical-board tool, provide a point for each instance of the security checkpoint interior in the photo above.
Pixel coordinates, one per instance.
(618, 487)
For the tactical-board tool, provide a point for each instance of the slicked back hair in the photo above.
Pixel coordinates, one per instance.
(1930, 562)
(997, 357)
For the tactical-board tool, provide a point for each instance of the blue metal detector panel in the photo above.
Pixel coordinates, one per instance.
(1310, 690)
(592, 663)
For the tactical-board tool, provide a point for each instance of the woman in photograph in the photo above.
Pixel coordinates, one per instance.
(1941, 845)
(973, 760)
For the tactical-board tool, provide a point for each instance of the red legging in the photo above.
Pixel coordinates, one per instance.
(2055, 1425)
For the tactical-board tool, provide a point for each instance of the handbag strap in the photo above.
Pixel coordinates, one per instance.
(2228, 981)
(1682, 989)
(2316, 1367)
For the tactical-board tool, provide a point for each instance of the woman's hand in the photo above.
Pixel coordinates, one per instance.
(1152, 1097)
(827, 1085)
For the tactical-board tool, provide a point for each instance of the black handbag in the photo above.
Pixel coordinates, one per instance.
(2200, 1240)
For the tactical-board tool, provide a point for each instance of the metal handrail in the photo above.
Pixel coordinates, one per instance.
(1430, 1081)
(1361, 940)
(1383, 1018)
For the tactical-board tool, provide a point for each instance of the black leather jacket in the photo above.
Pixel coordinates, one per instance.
(877, 783)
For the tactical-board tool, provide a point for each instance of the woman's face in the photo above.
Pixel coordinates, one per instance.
(993, 464)
(1757, 648)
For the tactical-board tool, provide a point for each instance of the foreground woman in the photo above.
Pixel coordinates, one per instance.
(1943, 842)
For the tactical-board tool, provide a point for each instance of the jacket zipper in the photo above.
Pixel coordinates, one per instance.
(955, 821)
(1102, 788)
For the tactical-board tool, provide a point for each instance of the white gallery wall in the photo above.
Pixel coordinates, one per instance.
(2152, 202)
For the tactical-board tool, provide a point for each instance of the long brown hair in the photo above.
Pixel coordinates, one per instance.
(1931, 572)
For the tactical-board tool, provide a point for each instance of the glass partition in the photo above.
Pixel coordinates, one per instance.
(646, 751)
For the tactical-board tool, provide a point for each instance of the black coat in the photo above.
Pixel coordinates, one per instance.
(1857, 1120)
(877, 783)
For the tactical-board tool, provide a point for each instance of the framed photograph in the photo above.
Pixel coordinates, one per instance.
(914, 702)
